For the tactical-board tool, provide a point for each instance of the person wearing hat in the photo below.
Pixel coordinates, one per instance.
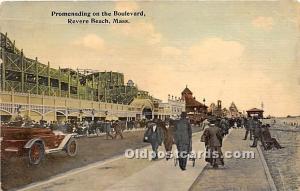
(167, 128)
(154, 136)
(118, 129)
(248, 127)
(256, 131)
(183, 139)
(212, 136)
(108, 128)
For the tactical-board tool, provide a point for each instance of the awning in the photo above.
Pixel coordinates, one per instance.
(111, 118)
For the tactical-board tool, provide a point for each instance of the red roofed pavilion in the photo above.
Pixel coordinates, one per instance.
(255, 112)
(191, 104)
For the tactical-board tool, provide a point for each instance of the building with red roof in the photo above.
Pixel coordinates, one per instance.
(191, 104)
(255, 112)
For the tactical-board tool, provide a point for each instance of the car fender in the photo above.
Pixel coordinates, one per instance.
(66, 140)
(32, 141)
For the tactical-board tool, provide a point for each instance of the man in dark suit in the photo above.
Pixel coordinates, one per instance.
(248, 123)
(183, 139)
(108, 129)
(154, 136)
(267, 140)
(118, 127)
(212, 136)
(256, 131)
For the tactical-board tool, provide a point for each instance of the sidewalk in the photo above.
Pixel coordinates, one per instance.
(129, 174)
(237, 174)
(141, 174)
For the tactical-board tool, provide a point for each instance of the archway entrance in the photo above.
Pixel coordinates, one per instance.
(147, 113)
(145, 106)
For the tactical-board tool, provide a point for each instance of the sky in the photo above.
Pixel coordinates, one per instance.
(246, 52)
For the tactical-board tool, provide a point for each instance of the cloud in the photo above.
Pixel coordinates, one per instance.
(126, 6)
(215, 51)
(91, 41)
(142, 31)
(265, 23)
(171, 51)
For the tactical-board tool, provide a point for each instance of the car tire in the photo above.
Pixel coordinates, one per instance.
(72, 147)
(36, 153)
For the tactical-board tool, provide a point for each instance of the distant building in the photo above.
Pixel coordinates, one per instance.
(191, 104)
(216, 110)
(233, 111)
(40, 92)
(177, 106)
(212, 108)
(255, 112)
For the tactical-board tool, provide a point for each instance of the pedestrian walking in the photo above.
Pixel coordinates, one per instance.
(168, 128)
(212, 136)
(108, 129)
(256, 125)
(154, 136)
(224, 126)
(118, 129)
(248, 127)
(183, 139)
(204, 124)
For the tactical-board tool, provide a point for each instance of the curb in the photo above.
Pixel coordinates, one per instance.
(68, 173)
(266, 168)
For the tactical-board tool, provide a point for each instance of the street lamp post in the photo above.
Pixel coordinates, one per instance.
(80, 115)
(93, 114)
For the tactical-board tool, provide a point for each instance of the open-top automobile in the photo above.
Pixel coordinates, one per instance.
(34, 143)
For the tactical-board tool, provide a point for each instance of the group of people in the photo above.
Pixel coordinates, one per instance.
(260, 132)
(179, 132)
(296, 124)
(112, 129)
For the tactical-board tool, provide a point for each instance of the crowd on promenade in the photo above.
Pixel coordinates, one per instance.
(179, 132)
(169, 131)
(214, 128)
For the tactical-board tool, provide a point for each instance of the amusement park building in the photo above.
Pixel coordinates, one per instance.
(31, 88)
(191, 104)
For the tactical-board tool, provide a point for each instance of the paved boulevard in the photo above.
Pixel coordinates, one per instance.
(119, 173)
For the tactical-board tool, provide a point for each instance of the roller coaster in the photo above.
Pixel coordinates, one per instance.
(26, 75)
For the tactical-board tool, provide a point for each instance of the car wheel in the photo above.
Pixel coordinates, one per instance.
(36, 153)
(72, 147)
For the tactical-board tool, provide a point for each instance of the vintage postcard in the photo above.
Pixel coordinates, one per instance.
(150, 95)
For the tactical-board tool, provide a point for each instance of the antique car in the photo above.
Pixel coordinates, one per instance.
(34, 143)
